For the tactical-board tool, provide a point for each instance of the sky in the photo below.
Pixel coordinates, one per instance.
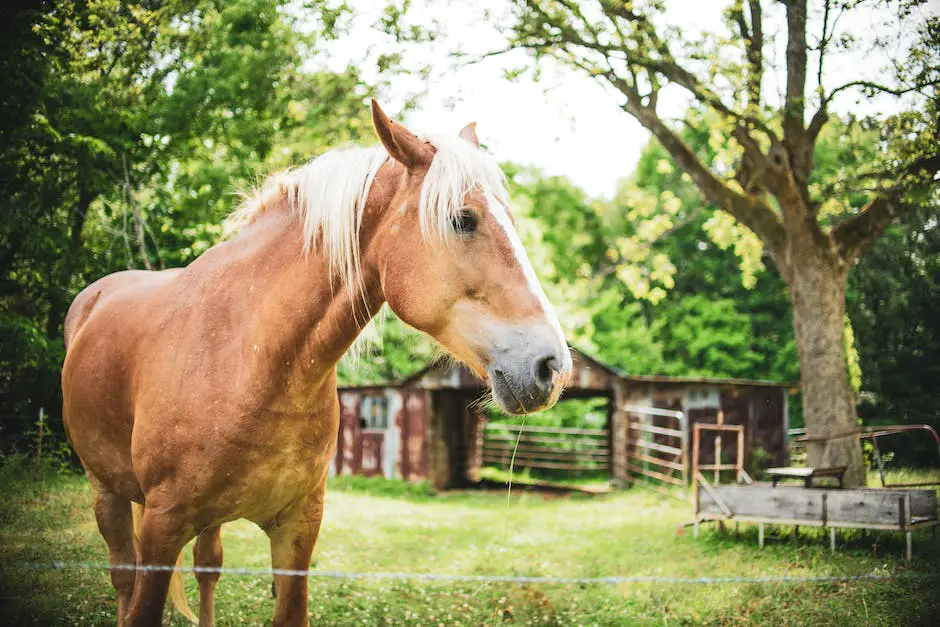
(564, 123)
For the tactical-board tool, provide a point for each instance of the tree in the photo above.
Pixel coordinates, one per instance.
(127, 130)
(764, 175)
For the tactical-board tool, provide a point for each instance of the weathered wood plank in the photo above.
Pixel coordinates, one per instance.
(870, 508)
(638, 426)
(923, 502)
(655, 460)
(790, 472)
(703, 482)
(652, 473)
(763, 501)
(655, 446)
(866, 506)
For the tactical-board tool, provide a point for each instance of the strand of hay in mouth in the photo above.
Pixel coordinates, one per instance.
(512, 460)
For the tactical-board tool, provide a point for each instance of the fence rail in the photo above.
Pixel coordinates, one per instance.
(576, 451)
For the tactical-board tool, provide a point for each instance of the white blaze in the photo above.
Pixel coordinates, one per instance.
(502, 218)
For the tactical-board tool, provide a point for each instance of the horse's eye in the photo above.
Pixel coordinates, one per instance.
(465, 222)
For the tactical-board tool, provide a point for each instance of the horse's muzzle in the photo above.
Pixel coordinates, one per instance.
(529, 375)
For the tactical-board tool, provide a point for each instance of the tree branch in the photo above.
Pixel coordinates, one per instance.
(822, 114)
(749, 210)
(794, 133)
(854, 235)
(894, 91)
(753, 39)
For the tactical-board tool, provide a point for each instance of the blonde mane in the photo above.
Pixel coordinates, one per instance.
(329, 195)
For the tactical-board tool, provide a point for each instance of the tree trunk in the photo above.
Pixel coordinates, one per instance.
(58, 294)
(817, 289)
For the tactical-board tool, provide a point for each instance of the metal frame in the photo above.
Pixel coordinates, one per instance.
(875, 432)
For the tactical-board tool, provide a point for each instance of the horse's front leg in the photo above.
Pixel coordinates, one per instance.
(293, 536)
(161, 539)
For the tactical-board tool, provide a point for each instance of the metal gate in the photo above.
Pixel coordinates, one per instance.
(657, 445)
(558, 449)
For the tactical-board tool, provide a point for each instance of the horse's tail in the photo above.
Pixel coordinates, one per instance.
(177, 591)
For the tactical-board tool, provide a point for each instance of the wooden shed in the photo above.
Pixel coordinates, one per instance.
(428, 427)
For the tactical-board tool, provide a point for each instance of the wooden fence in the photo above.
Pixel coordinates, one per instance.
(564, 451)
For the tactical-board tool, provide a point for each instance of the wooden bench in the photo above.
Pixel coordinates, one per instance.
(804, 474)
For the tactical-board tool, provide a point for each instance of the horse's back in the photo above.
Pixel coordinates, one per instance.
(110, 288)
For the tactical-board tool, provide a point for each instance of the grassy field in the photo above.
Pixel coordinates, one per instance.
(386, 526)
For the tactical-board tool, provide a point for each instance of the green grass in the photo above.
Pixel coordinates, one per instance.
(370, 526)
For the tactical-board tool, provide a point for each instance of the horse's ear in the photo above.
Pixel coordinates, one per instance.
(403, 145)
(469, 132)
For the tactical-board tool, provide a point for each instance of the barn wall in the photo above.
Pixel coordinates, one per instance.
(768, 423)
(761, 410)
(475, 422)
(413, 425)
(370, 452)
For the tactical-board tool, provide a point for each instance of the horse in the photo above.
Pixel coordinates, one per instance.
(208, 394)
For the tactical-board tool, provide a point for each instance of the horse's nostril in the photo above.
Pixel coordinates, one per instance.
(545, 369)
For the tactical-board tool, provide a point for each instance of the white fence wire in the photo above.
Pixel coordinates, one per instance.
(521, 579)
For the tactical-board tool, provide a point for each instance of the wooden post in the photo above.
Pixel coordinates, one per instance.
(832, 539)
(760, 535)
(721, 421)
(740, 461)
(684, 444)
(41, 423)
(907, 524)
(696, 438)
(881, 466)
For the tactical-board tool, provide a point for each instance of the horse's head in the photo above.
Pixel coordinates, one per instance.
(452, 265)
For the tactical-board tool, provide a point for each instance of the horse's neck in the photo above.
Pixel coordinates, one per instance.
(300, 323)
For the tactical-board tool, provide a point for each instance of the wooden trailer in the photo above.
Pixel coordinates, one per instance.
(892, 509)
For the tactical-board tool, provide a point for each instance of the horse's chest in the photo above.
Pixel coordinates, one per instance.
(240, 468)
(260, 486)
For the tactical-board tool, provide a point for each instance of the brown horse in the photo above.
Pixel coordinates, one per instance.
(208, 394)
